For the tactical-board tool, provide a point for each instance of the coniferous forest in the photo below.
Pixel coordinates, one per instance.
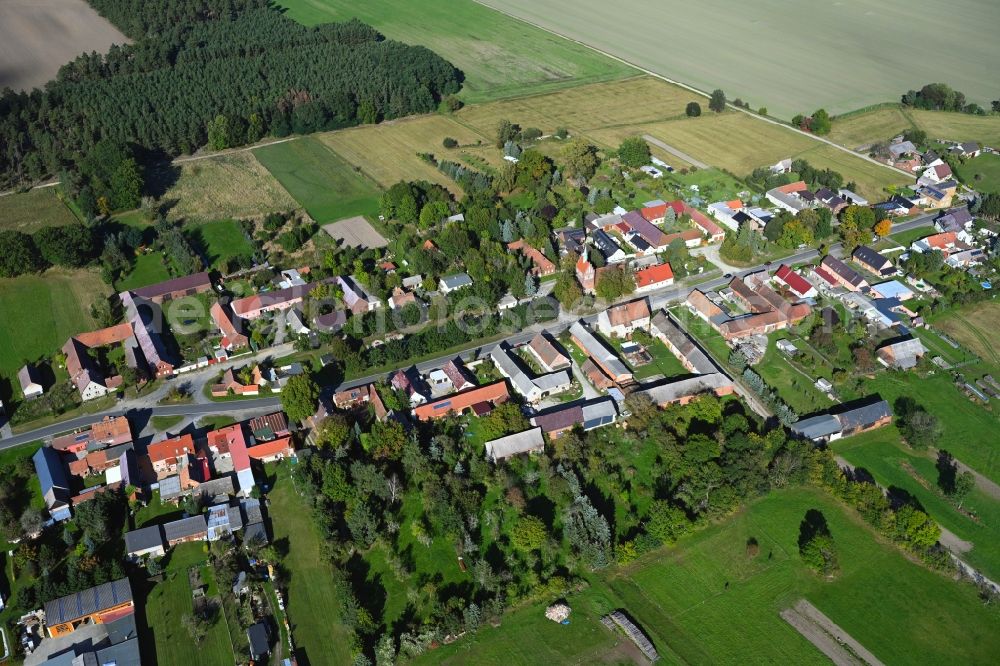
(223, 72)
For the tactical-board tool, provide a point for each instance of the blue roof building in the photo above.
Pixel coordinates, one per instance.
(52, 478)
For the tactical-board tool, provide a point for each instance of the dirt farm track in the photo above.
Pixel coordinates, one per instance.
(37, 37)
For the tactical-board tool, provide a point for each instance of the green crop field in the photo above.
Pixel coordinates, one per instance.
(30, 211)
(958, 126)
(861, 129)
(219, 241)
(777, 55)
(706, 601)
(500, 56)
(883, 455)
(319, 179)
(313, 607)
(38, 313)
(982, 173)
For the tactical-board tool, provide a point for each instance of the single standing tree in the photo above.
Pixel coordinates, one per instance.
(580, 158)
(718, 101)
(820, 122)
(634, 152)
(299, 397)
(693, 109)
(530, 288)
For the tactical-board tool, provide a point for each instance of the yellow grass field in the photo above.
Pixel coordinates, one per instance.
(629, 102)
(958, 126)
(228, 186)
(387, 153)
(883, 124)
(866, 128)
(975, 328)
(604, 113)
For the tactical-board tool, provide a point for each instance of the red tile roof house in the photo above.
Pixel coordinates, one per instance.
(400, 299)
(654, 214)
(230, 383)
(699, 220)
(456, 374)
(550, 358)
(797, 284)
(654, 277)
(277, 449)
(357, 298)
(83, 372)
(166, 455)
(110, 431)
(231, 441)
(478, 399)
(232, 337)
(254, 306)
(620, 320)
(542, 264)
(269, 426)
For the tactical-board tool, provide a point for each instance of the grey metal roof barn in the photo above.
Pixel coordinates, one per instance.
(817, 427)
(529, 441)
(185, 528)
(143, 539)
(90, 601)
(862, 417)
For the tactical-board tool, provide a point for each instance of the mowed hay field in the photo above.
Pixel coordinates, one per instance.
(790, 57)
(38, 313)
(320, 180)
(861, 129)
(30, 211)
(705, 601)
(37, 37)
(604, 113)
(387, 153)
(976, 328)
(226, 186)
(499, 56)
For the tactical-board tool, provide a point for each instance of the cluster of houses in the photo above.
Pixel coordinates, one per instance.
(213, 469)
(750, 306)
(634, 238)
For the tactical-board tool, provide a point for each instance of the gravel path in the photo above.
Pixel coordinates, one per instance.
(828, 638)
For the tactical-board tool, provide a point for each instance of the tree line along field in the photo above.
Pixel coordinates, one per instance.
(882, 454)
(705, 600)
(791, 58)
(500, 56)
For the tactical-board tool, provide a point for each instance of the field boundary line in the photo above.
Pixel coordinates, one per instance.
(699, 92)
(231, 151)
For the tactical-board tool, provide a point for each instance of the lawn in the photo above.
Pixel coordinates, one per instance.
(387, 153)
(33, 210)
(982, 173)
(884, 456)
(220, 241)
(215, 422)
(147, 269)
(969, 429)
(170, 600)
(166, 422)
(975, 327)
(319, 179)
(705, 601)
(500, 56)
(313, 606)
(752, 49)
(234, 185)
(38, 313)
(796, 389)
(664, 362)
(907, 237)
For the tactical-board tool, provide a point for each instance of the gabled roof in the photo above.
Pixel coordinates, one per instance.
(870, 257)
(653, 275)
(198, 281)
(547, 352)
(558, 419)
(185, 528)
(795, 282)
(143, 538)
(864, 416)
(88, 602)
(625, 314)
(521, 442)
(170, 449)
(845, 272)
